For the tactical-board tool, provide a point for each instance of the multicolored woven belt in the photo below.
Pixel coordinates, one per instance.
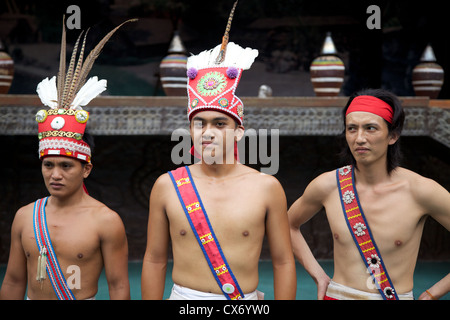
(198, 219)
(361, 234)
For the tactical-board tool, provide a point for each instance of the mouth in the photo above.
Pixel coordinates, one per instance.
(207, 143)
(56, 185)
(362, 150)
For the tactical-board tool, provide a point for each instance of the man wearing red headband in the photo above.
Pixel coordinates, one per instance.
(61, 243)
(376, 209)
(216, 212)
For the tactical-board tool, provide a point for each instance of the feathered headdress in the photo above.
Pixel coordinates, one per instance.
(213, 76)
(62, 127)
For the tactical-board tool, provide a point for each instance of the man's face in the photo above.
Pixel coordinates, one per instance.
(214, 134)
(367, 136)
(63, 176)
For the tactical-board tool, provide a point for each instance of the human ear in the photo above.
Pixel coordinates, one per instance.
(393, 138)
(238, 133)
(87, 169)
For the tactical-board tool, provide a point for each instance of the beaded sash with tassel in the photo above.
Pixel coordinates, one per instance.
(47, 261)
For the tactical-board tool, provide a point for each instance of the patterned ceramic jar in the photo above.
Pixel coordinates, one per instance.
(428, 76)
(327, 71)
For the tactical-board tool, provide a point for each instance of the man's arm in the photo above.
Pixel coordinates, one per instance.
(436, 202)
(277, 229)
(438, 290)
(115, 256)
(299, 213)
(154, 265)
(15, 280)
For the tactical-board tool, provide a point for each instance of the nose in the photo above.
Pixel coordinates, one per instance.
(208, 132)
(360, 137)
(56, 174)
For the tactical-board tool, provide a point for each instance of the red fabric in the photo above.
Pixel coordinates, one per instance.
(85, 189)
(362, 236)
(373, 105)
(70, 125)
(199, 222)
(328, 298)
(221, 98)
(66, 133)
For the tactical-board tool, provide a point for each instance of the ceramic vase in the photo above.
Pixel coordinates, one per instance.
(172, 69)
(428, 76)
(6, 70)
(327, 70)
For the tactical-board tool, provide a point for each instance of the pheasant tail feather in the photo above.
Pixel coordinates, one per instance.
(69, 75)
(75, 77)
(93, 55)
(223, 49)
(62, 65)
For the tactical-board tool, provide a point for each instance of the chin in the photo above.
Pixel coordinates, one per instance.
(60, 193)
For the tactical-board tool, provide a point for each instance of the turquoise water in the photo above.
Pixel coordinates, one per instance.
(426, 274)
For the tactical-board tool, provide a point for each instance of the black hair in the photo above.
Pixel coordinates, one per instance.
(395, 128)
(89, 139)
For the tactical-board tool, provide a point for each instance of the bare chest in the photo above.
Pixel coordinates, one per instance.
(394, 218)
(74, 241)
(234, 211)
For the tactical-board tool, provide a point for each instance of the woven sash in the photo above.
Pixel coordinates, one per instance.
(361, 234)
(198, 219)
(54, 272)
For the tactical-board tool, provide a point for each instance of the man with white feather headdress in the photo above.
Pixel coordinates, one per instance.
(242, 205)
(61, 243)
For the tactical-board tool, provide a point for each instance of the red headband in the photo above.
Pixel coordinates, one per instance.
(373, 105)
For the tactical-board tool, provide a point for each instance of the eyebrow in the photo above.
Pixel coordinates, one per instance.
(364, 124)
(196, 118)
(63, 162)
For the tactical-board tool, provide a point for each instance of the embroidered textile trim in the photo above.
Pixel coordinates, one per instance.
(361, 233)
(54, 271)
(63, 144)
(198, 219)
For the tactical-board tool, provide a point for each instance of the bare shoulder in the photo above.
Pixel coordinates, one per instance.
(423, 189)
(24, 214)
(163, 182)
(105, 216)
(162, 188)
(418, 183)
(25, 210)
(258, 179)
(323, 184)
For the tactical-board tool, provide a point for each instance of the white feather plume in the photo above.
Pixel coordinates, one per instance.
(236, 56)
(48, 93)
(91, 89)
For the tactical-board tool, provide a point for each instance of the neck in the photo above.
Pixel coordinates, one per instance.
(217, 170)
(73, 199)
(372, 174)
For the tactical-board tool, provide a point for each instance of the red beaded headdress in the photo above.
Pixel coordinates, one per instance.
(61, 128)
